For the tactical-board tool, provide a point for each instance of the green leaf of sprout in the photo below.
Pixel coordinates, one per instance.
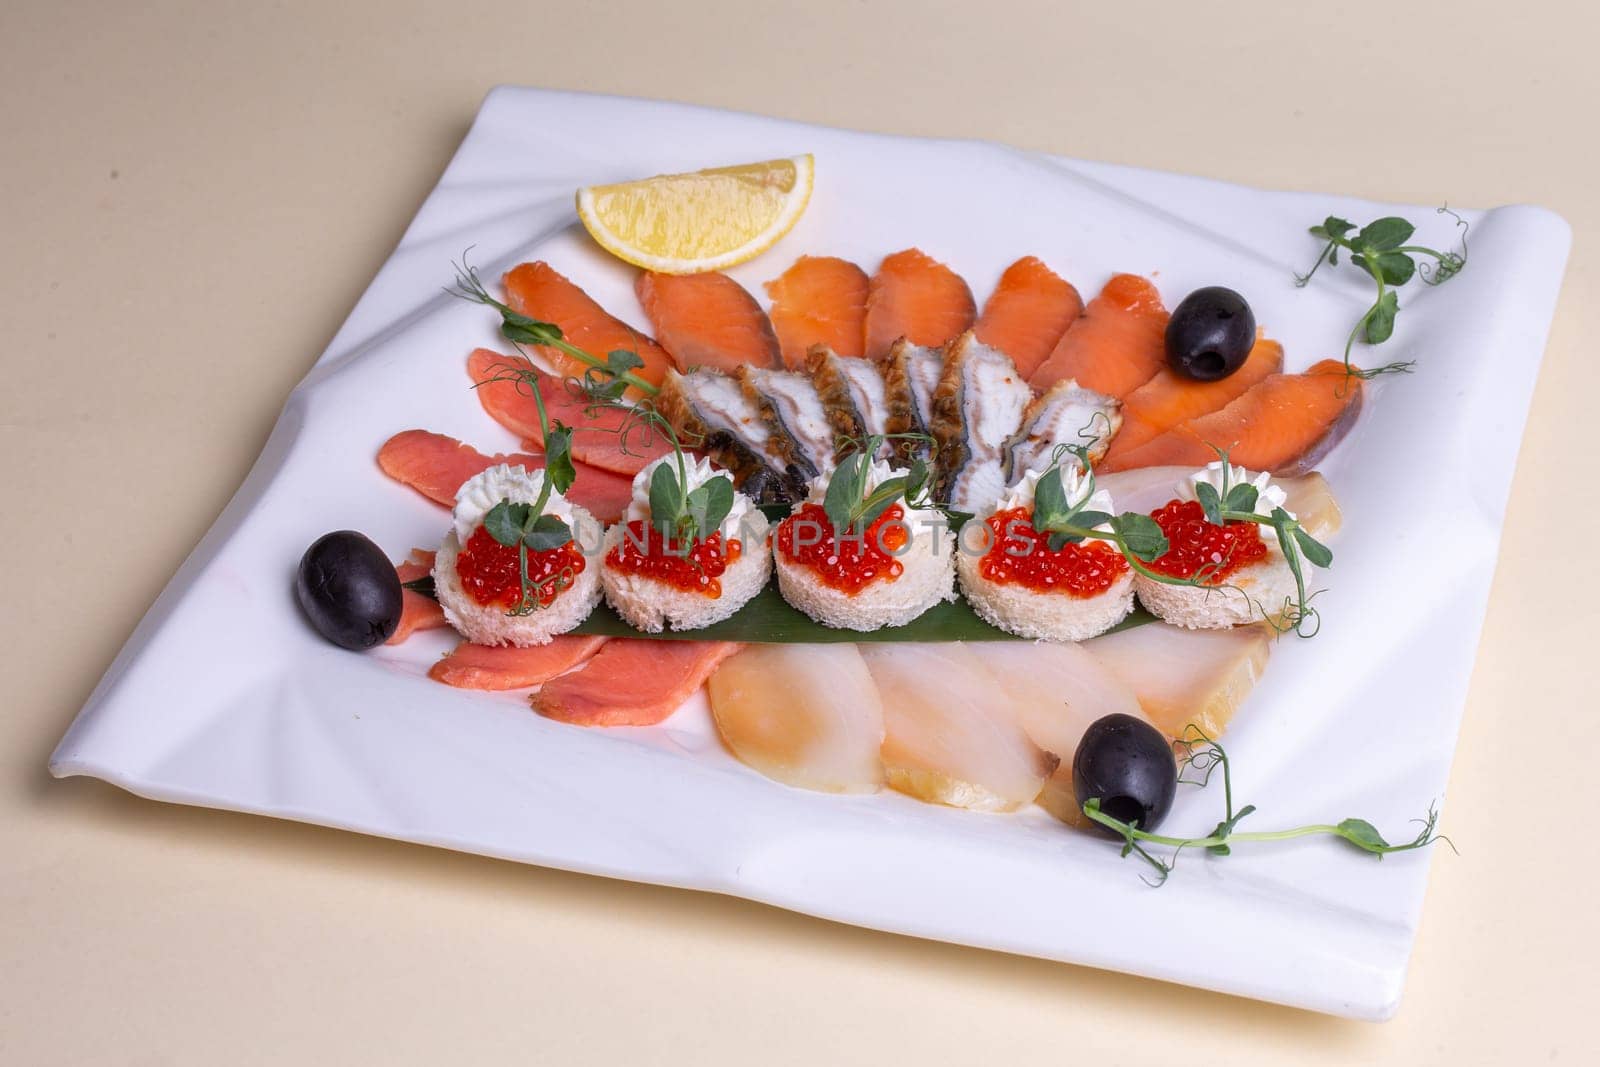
(1090, 519)
(1050, 505)
(1396, 268)
(1363, 835)
(846, 488)
(505, 522)
(527, 331)
(1380, 320)
(1314, 551)
(707, 506)
(1383, 234)
(620, 361)
(1333, 228)
(666, 498)
(1141, 534)
(1210, 502)
(1242, 498)
(547, 532)
(558, 466)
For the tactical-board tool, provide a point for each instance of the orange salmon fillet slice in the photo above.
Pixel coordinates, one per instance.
(435, 466)
(1284, 424)
(471, 666)
(539, 291)
(417, 612)
(1027, 313)
(1118, 344)
(632, 682)
(506, 395)
(708, 320)
(916, 297)
(820, 300)
(1169, 399)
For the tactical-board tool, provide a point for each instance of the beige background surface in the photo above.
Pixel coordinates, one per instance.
(190, 202)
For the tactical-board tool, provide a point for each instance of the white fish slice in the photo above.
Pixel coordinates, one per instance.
(949, 737)
(1055, 692)
(804, 715)
(1186, 676)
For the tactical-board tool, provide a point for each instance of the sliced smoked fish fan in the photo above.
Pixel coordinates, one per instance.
(1118, 344)
(1169, 399)
(916, 297)
(708, 320)
(1028, 312)
(541, 292)
(1284, 424)
(820, 300)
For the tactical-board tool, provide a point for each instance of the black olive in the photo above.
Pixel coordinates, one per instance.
(1210, 334)
(349, 590)
(1127, 764)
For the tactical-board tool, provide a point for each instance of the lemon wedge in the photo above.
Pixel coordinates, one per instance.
(708, 220)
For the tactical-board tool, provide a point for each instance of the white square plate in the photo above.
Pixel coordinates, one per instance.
(224, 696)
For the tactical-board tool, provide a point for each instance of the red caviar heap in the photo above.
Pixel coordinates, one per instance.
(1021, 555)
(492, 575)
(848, 563)
(646, 551)
(1200, 545)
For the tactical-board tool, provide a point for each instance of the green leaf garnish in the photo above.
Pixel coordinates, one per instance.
(666, 498)
(1380, 250)
(546, 532)
(1241, 498)
(558, 465)
(1210, 501)
(1314, 550)
(1141, 534)
(1204, 755)
(709, 505)
(505, 522)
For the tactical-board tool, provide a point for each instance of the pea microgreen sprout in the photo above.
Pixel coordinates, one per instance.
(1380, 249)
(852, 503)
(1203, 756)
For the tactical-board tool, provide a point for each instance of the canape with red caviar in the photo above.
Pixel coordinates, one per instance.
(865, 549)
(690, 551)
(1033, 584)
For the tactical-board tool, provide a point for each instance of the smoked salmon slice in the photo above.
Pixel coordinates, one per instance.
(1169, 399)
(435, 466)
(632, 682)
(916, 297)
(1118, 344)
(1285, 424)
(821, 300)
(472, 666)
(506, 394)
(708, 320)
(417, 612)
(539, 291)
(1027, 313)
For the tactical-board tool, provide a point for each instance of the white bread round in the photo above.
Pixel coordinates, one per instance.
(648, 605)
(927, 577)
(1043, 616)
(490, 625)
(1254, 592)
